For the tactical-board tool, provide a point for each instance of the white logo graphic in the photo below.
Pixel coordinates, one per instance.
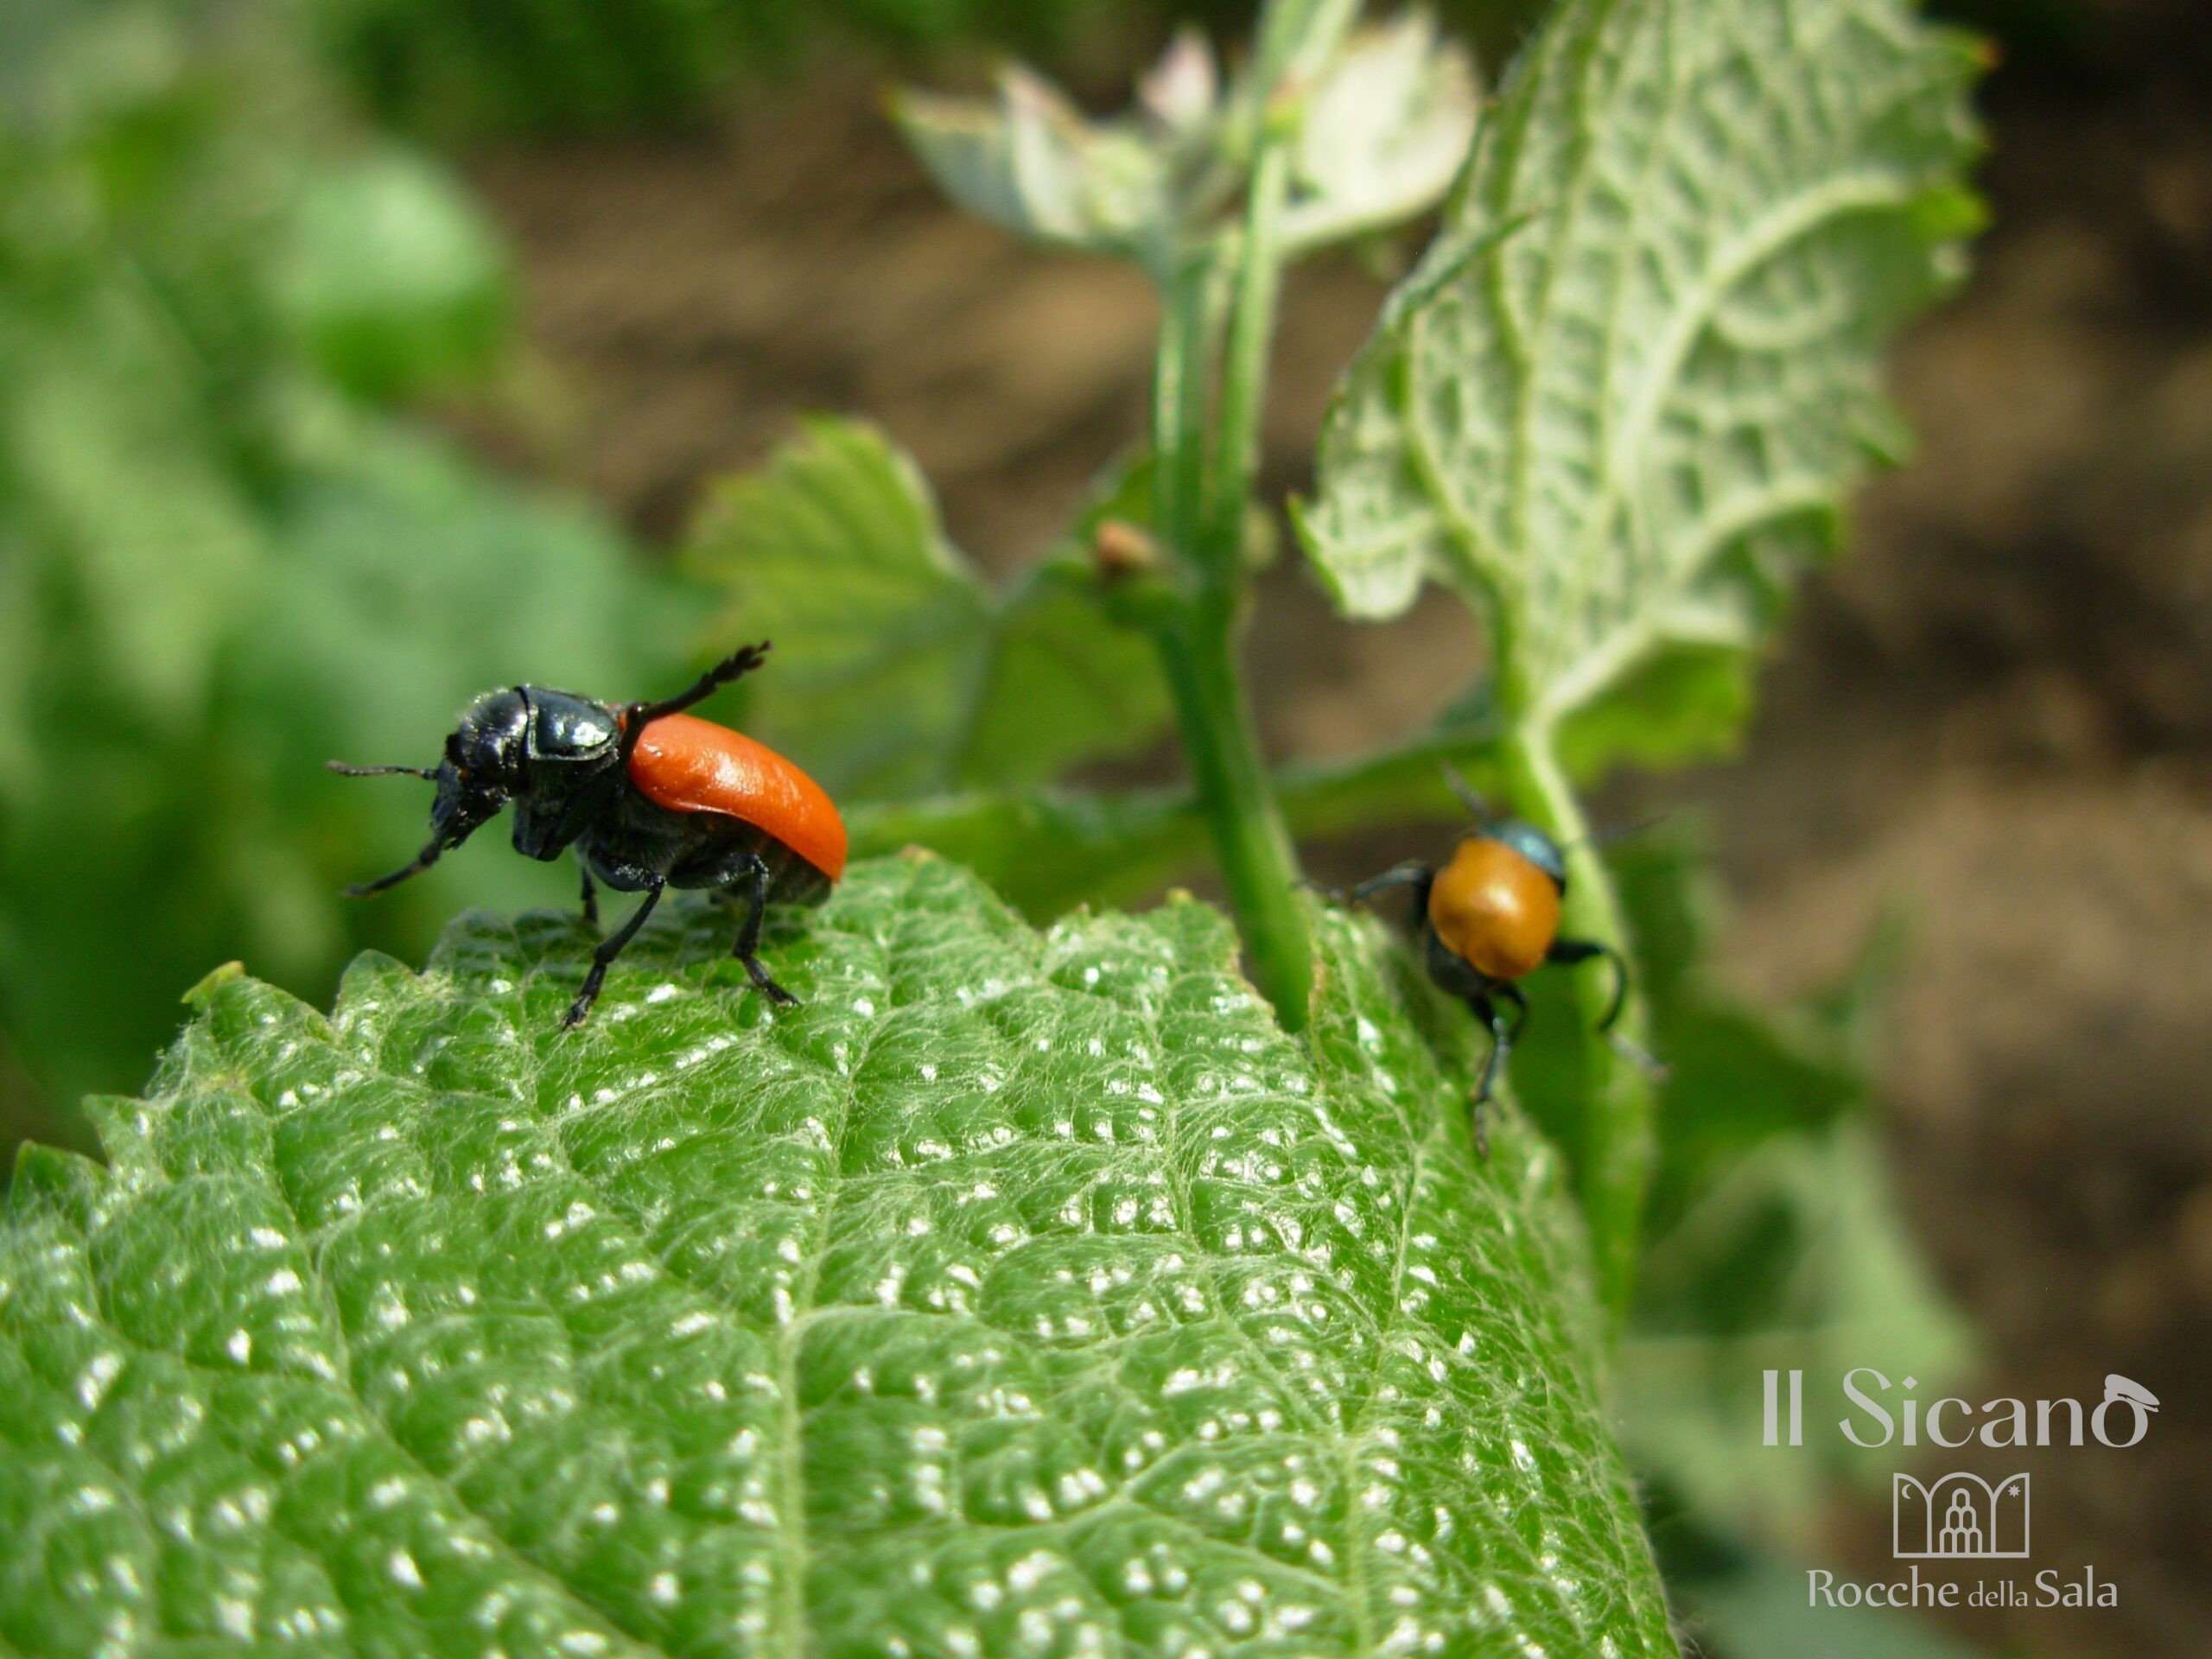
(2122, 1391)
(1961, 1516)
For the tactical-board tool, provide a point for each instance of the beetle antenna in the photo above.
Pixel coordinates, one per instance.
(379, 772)
(1639, 1057)
(1465, 791)
(1606, 838)
(423, 859)
(1622, 831)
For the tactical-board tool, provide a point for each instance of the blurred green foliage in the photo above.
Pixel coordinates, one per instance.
(533, 63)
(222, 560)
(1774, 1241)
(480, 65)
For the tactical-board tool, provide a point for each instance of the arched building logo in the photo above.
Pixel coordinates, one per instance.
(1960, 1516)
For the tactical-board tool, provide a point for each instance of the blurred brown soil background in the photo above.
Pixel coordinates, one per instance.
(1995, 715)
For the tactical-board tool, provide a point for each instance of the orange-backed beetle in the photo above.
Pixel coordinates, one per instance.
(650, 798)
(1489, 917)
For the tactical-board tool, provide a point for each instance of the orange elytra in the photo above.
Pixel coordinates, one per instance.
(689, 764)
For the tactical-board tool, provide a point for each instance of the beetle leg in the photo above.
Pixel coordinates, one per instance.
(1570, 951)
(1502, 1035)
(1410, 873)
(1575, 951)
(422, 861)
(1398, 875)
(1501, 1044)
(609, 948)
(748, 934)
(1512, 993)
(591, 895)
(735, 666)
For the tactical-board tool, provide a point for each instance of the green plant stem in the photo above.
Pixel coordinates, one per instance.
(1258, 863)
(1244, 374)
(1182, 384)
(1205, 472)
(1619, 1143)
(1296, 38)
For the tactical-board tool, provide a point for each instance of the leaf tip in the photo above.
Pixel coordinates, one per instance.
(66, 1183)
(204, 993)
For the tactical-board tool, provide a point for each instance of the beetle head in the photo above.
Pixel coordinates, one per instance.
(487, 757)
(1523, 837)
(483, 768)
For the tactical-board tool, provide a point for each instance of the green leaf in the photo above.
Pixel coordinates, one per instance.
(1015, 1294)
(394, 583)
(898, 670)
(1621, 400)
(1681, 705)
(1739, 1074)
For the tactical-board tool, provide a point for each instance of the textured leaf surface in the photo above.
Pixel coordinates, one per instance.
(899, 668)
(1624, 394)
(1017, 1294)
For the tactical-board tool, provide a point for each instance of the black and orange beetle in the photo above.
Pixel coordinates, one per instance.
(1490, 917)
(650, 798)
